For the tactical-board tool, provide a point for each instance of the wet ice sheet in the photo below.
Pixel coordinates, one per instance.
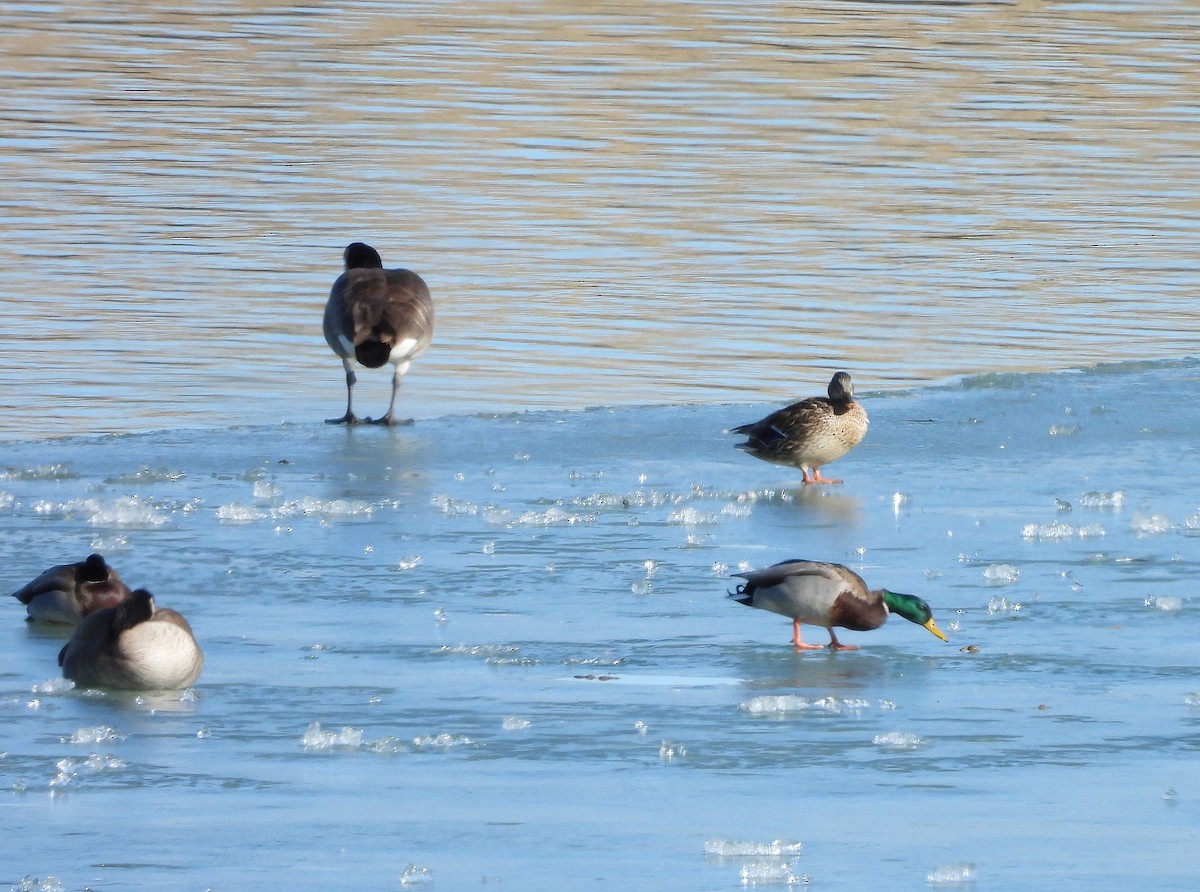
(481, 634)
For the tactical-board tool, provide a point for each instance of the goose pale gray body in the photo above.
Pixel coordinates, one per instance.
(134, 646)
(67, 593)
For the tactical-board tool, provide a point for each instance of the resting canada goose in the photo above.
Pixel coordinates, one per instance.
(69, 592)
(827, 595)
(810, 433)
(375, 316)
(134, 646)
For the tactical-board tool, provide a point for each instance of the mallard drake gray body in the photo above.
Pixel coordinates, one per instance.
(69, 592)
(810, 433)
(134, 646)
(828, 595)
(376, 316)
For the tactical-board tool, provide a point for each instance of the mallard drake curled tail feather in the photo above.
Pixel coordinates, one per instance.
(827, 595)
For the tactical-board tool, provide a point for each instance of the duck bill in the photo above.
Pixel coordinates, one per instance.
(932, 627)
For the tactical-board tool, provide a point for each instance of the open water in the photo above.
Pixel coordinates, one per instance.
(493, 649)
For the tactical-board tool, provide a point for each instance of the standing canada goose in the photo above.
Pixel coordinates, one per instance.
(827, 595)
(134, 646)
(69, 592)
(375, 316)
(810, 433)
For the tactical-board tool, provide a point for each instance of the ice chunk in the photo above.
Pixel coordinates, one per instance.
(782, 704)
(1001, 574)
(1047, 531)
(951, 875)
(316, 739)
(737, 849)
(1150, 525)
(669, 752)
(35, 884)
(99, 734)
(1102, 499)
(128, 511)
(900, 740)
(240, 514)
(513, 723)
(413, 875)
(762, 873)
(1166, 603)
(690, 516)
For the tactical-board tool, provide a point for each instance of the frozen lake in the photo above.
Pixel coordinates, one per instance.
(494, 648)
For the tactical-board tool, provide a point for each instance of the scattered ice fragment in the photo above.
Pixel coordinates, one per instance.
(1047, 531)
(240, 514)
(264, 490)
(1170, 795)
(489, 548)
(1000, 604)
(1151, 525)
(719, 569)
(1102, 499)
(442, 741)
(35, 884)
(128, 511)
(951, 875)
(641, 587)
(412, 875)
(1002, 574)
(690, 516)
(641, 727)
(513, 723)
(901, 740)
(1166, 603)
(737, 849)
(651, 568)
(1091, 530)
(40, 472)
(899, 500)
(99, 734)
(1064, 430)
(669, 752)
(1191, 700)
(762, 873)
(53, 686)
(316, 739)
(408, 563)
(782, 704)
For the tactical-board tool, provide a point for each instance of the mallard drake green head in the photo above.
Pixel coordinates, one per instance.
(828, 595)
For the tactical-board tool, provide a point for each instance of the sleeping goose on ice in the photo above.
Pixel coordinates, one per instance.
(134, 646)
(67, 593)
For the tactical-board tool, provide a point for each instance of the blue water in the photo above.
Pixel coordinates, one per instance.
(513, 633)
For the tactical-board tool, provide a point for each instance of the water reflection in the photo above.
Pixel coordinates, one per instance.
(683, 202)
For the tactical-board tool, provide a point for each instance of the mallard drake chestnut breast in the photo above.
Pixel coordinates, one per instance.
(375, 316)
(826, 594)
(134, 646)
(810, 433)
(67, 593)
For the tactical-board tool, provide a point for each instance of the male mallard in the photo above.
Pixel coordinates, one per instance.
(134, 646)
(69, 592)
(375, 316)
(828, 595)
(810, 433)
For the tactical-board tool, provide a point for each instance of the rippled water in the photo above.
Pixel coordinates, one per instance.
(628, 203)
(494, 647)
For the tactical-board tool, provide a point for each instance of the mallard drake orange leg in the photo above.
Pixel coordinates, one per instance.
(834, 644)
(815, 477)
(800, 645)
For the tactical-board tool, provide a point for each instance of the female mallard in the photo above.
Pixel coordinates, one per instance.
(376, 316)
(828, 595)
(69, 592)
(134, 646)
(810, 433)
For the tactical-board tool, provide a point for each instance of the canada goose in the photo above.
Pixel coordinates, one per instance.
(827, 595)
(133, 646)
(810, 433)
(375, 316)
(69, 592)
